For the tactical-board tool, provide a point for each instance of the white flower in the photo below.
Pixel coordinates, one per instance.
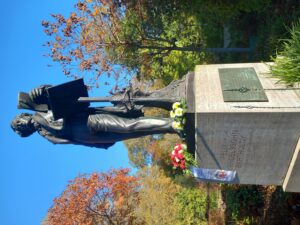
(179, 112)
(177, 160)
(183, 146)
(176, 105)
(172, 114)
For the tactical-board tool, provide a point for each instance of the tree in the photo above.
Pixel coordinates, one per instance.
(156, 196)
(165, 41)
(101, 198)
(147, 151)
(224, 11)
(116, 38)
(162, 201)
(192, 204)
(153, 39)
(137, 151)
(79, 42)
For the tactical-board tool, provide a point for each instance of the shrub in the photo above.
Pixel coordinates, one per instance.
(287, 62)
(241, 200)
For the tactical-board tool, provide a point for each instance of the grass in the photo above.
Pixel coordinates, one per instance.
(287, 62)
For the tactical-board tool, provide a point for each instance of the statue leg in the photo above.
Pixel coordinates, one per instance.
(115, 124)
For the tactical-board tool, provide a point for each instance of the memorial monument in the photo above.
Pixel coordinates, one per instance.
(240, 121)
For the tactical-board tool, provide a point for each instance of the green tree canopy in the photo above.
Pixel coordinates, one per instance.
(154, 39)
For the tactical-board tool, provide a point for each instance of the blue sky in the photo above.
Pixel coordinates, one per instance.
(34, 171)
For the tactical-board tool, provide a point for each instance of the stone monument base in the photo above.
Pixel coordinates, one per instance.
(244, 127)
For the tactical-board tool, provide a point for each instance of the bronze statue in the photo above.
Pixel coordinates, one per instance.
(63, 115)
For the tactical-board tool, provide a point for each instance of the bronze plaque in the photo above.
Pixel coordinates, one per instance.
(241, 85)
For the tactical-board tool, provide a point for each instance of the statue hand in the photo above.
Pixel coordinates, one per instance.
(127, 100)
(39, 95)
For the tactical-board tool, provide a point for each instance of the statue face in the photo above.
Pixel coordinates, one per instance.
(22, 125)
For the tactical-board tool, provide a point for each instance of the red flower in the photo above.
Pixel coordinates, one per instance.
(178, 147)
(177, 157)
(182, 165)
(180, 156)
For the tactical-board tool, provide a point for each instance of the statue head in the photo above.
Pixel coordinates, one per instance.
(23, 125)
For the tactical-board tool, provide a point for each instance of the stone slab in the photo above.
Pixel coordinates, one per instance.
(256, 139)
(190, 115)
(190, 92)
(292, 180)
(209, 98)
(258, 146)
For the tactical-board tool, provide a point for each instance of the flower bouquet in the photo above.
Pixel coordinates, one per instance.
(182, 159)
(178, 115)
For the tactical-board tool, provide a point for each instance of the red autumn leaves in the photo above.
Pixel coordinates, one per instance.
(101, 198)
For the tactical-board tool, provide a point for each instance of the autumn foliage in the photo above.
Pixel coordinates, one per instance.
(101, 198)
(122, 38)
(79, 42)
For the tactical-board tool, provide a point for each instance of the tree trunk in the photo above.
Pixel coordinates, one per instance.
(194, 49)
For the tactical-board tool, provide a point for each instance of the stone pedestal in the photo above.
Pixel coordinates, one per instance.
(257, 139)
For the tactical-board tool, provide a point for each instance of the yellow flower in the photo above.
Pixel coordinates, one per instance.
(179, 112)
(177, 125)
(172, 114)
(176, 105)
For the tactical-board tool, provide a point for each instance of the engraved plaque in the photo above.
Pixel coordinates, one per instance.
(241, 85)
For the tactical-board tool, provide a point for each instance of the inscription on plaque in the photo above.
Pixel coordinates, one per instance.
(233, 149)
(241, 85)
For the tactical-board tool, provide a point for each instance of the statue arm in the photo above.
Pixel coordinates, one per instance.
(53, 139)
(58, 140)
(97, 145)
